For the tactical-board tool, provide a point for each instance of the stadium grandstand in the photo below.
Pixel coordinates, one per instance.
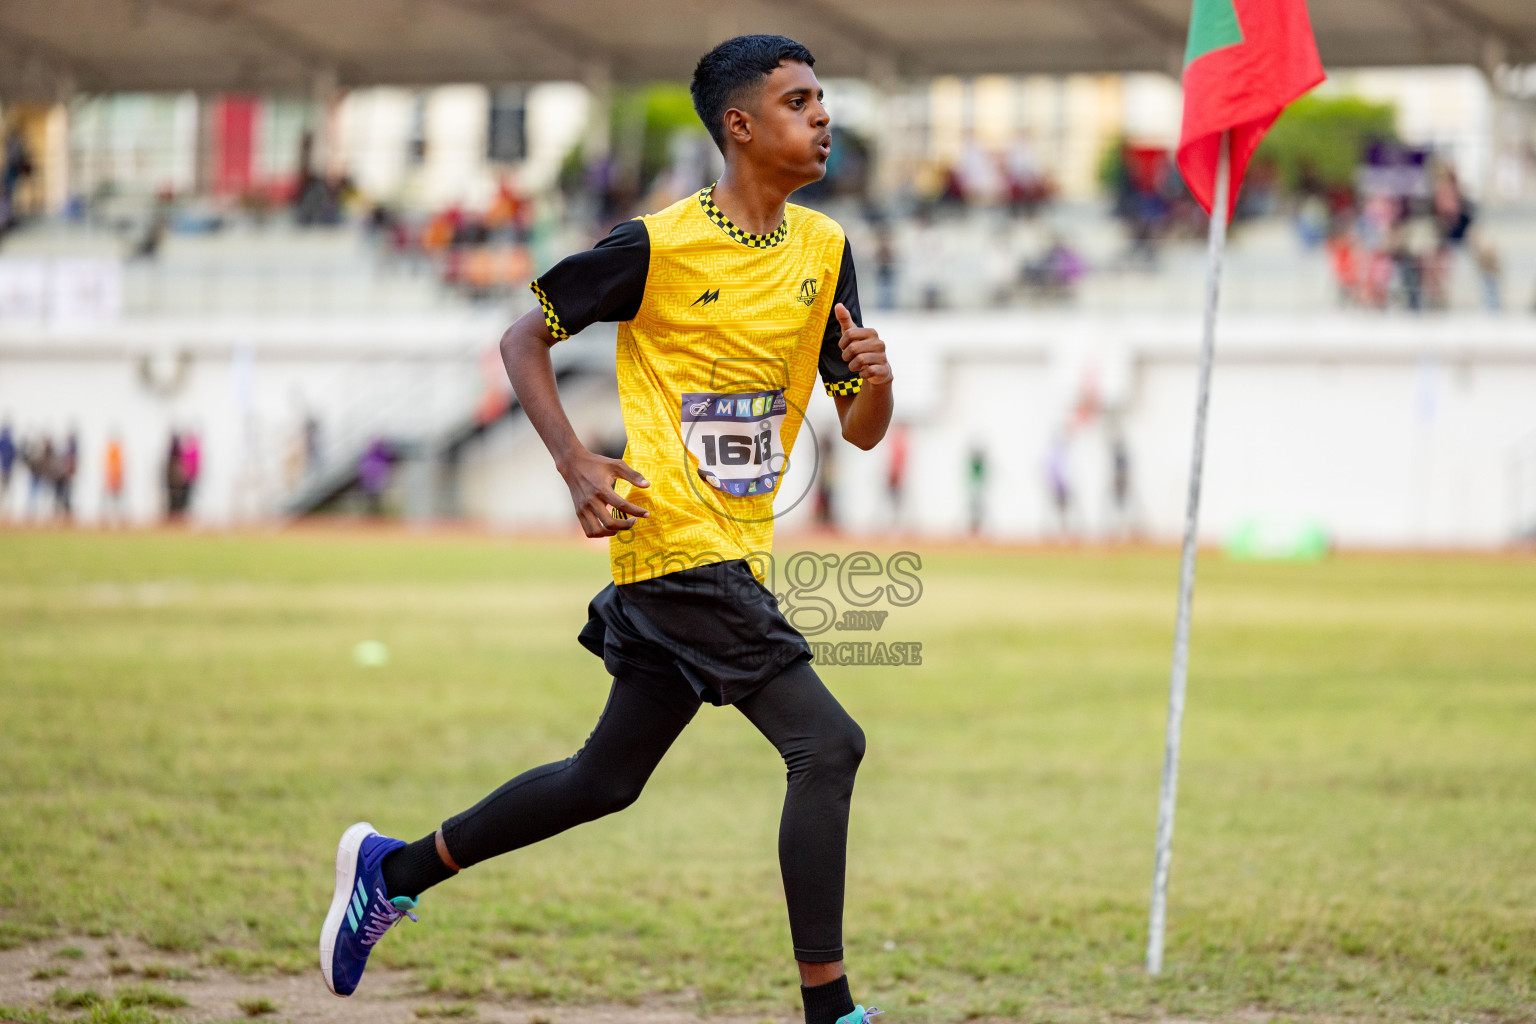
(294, 232)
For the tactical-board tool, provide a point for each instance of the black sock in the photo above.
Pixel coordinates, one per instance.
(824, 1004)
(414, 868)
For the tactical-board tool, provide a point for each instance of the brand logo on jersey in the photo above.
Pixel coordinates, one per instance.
(712, 295)
(807, 291)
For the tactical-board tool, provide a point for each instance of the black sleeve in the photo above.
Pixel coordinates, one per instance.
(836, 377)
(605, 283)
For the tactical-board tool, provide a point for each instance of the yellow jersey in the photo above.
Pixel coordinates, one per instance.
(721, 336)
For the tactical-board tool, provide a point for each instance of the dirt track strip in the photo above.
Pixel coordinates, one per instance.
(387, 997)
(214, 994)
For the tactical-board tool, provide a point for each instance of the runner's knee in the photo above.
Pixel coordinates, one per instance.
(611, 792)
(615, 795)
(848, 748)
(834, 753)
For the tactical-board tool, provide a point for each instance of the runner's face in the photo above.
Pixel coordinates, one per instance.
(791, 126)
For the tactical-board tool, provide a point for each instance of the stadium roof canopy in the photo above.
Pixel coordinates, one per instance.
(49, 47)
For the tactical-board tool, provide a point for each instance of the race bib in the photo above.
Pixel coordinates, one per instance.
(735, 439)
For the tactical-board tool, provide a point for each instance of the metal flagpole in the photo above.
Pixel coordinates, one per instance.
(1180, 670)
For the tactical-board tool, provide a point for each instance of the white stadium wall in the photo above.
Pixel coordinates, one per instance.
(244, 385)
(1380, 431)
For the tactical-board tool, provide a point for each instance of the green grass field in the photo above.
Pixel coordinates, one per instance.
(185, 733)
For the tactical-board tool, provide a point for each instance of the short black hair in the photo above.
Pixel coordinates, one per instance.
(726, 73)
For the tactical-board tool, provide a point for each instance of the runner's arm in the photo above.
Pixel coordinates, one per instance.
(865, 415)
(853, 365)
(589, 476)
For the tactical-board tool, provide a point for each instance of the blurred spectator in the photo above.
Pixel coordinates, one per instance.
(317, 201)
(1058, 473)
(1455, 216)
(929, 266)
(1054, 275)
(38, 456)
(381, 220)
(885, 268)
(17, 166)
(1388, 253)
(1120, 484)
(1453, 210)
(176, 490)
(896, 470)
(311, 444)
(1377, 216)
(1001, 265)
(391, 236)
(67, 464)
(614, 188)
(1345, 260)
(825, 510)
(1489, 270)
(7, 461)
(1258, 196)
(952, 192)
(293, 460)
(979, 174)
(113, 510)
(148, 247)
(373, 475)
(191, 466)
(976, 481)
(1027, 187)
(1410, 246)
(441, 229)
(1312, 220)
(510, 212)
(1138, 183)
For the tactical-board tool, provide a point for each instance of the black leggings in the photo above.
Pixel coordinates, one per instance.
(821, 746)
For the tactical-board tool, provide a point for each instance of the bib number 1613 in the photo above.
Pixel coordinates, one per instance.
(738, 449)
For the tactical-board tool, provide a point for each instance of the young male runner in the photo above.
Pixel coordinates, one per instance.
(729, 302)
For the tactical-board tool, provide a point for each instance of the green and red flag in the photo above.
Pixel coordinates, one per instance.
(1245, 60)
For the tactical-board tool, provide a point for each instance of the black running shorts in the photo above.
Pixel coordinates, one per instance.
(714, 624)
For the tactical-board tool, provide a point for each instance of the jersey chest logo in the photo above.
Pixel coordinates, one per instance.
(807, 293)
(710, 295)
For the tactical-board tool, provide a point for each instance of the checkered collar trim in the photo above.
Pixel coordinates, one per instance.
(706, 200)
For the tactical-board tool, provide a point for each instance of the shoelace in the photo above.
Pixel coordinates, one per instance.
(871, 1012)
(384, 915)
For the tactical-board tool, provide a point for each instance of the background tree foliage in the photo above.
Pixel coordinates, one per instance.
(642, 121)
(1327, 135)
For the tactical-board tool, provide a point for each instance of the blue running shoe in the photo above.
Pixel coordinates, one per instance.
(860, 1015)
(361, 910)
